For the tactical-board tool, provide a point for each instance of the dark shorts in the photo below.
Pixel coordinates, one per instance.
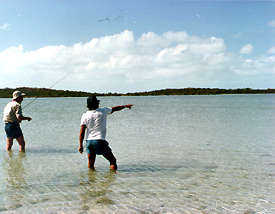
(13, 130)
(99, 147)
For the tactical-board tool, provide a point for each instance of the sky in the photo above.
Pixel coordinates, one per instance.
(137, 45)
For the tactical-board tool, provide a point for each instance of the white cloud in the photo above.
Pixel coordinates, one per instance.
(247, 49)
(5, 27)
(272, 50)
(122, 63)
(271, 23)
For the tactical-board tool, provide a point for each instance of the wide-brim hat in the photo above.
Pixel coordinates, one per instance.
(17, 94)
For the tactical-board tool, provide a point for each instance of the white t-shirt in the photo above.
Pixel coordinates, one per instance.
(95, 121)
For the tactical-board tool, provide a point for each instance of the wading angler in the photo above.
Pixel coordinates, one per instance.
(12, 118)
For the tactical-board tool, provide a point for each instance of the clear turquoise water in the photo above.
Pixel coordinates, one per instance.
(176, 154)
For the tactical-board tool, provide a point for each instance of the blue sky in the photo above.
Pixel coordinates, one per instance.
(123, 46)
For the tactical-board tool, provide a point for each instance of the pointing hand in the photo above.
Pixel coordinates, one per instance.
(129, 106)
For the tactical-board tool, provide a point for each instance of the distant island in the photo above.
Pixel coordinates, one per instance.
(46, 92)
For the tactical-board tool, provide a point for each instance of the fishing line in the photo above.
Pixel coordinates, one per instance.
(54, 84)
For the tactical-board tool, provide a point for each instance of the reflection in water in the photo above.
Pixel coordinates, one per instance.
(95, 187)
(15, 189)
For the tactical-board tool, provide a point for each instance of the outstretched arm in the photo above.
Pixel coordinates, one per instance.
(119, 108)
(81, 138)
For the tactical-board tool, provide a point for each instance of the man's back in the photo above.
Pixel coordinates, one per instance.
(10, 111)
(95, 121)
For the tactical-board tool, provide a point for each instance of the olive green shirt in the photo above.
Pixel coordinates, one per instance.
(12, 111)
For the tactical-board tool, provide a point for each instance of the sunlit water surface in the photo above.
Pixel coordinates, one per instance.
(176, 154)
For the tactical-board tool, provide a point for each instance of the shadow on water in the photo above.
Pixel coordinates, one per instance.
(149, 167)
(50, 150)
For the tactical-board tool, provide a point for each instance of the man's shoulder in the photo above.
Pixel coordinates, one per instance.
(96, 111)
(89, 113)
(13, 104)
(86, 113)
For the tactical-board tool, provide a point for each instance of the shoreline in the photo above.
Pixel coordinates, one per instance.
(46, 92)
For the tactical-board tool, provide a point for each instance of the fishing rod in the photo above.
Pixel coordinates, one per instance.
(54, 84)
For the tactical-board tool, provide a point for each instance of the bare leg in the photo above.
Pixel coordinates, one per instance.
(111, 158)
(21, 143)
(91, 161)
(9, 143)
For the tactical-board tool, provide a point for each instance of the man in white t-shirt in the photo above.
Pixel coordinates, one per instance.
(94, 120)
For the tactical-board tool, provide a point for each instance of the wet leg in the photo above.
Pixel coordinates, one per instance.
(9, 143)
(91, 160)
(111, 158)
(21, 143)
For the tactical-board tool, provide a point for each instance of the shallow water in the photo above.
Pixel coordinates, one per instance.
(176, 154)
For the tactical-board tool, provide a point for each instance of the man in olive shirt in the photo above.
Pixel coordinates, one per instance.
(12, 118)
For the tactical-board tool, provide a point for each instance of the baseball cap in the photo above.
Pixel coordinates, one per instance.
(92, 100)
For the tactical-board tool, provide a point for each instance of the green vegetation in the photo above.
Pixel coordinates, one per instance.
(45, 92)
(203, 91)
